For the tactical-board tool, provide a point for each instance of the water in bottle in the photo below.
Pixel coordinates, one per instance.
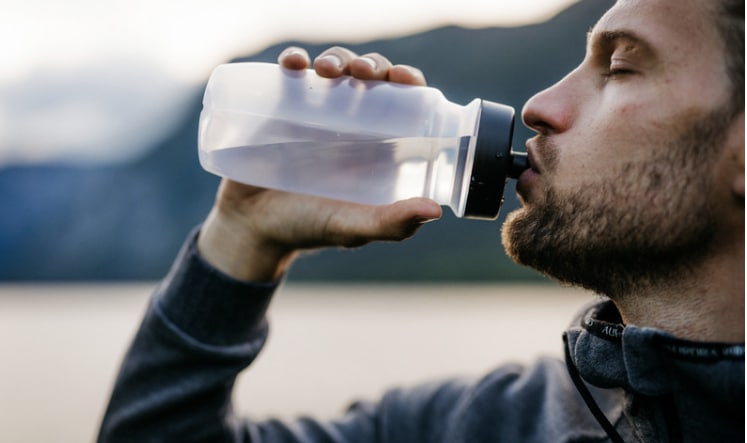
(361, 141)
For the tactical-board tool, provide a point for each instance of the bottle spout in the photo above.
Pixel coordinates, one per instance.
(519, 164)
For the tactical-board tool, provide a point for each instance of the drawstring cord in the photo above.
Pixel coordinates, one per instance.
(669, 409)
(596, 411)
(673, 423)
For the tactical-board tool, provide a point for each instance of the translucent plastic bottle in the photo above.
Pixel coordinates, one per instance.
(369, 142)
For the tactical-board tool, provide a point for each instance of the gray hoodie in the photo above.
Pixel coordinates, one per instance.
(619, 383)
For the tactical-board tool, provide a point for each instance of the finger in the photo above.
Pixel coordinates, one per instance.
(371, 66)
(407, 75)
(334, 62)
(294, 57)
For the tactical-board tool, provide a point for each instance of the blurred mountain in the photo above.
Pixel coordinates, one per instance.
(128, 221)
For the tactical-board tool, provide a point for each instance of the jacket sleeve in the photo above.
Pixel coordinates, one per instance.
(200, 330)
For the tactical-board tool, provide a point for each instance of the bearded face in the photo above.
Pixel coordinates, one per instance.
(644, 222)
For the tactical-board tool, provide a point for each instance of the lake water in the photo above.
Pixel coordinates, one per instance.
(61, 346)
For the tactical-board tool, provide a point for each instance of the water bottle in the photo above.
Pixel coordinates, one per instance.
(364, 141)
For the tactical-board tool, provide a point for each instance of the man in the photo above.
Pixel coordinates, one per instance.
(636, 191)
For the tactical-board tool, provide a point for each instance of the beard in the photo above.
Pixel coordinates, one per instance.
(648, 223)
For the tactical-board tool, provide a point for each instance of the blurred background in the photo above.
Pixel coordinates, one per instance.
(99, 103)
(100, 184)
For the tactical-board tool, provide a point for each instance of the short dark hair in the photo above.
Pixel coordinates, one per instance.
(730, 24)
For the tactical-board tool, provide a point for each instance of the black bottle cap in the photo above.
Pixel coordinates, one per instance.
(494, 162)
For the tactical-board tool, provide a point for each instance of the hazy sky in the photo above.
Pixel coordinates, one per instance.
(188, 36)
(84, 80)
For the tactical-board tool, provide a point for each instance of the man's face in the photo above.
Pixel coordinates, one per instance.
(622, 167)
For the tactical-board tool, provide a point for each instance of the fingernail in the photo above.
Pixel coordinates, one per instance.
(333, 59)
(291, 51)
(370, 62)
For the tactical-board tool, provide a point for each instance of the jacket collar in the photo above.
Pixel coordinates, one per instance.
(649, 361)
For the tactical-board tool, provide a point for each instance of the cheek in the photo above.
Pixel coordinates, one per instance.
(584, 150)
(600, 146)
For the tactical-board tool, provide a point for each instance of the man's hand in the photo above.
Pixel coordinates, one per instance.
(254, 233)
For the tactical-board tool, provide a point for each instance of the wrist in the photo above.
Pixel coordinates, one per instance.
(230, 246)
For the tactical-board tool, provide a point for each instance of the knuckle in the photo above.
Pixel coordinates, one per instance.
(379, 59)
(338, 50)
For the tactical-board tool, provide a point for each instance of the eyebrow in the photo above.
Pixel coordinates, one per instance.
(605, 40)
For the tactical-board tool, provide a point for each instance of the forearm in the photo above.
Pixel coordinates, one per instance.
(201, 329)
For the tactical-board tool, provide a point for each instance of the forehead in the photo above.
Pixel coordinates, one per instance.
(671, 27)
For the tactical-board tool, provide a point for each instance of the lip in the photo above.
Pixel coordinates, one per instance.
(532, 157)
(526, 180)
(530, 176)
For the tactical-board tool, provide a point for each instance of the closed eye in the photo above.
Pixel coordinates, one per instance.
(619, 54)
(616, 73)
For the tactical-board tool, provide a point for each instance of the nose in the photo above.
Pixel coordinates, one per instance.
(550, 111)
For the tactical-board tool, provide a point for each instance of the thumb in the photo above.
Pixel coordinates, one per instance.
(393, 222)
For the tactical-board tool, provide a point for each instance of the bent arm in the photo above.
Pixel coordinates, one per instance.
(201, 329)
(206, 321)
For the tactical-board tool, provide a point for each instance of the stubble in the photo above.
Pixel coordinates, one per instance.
(647, 223)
